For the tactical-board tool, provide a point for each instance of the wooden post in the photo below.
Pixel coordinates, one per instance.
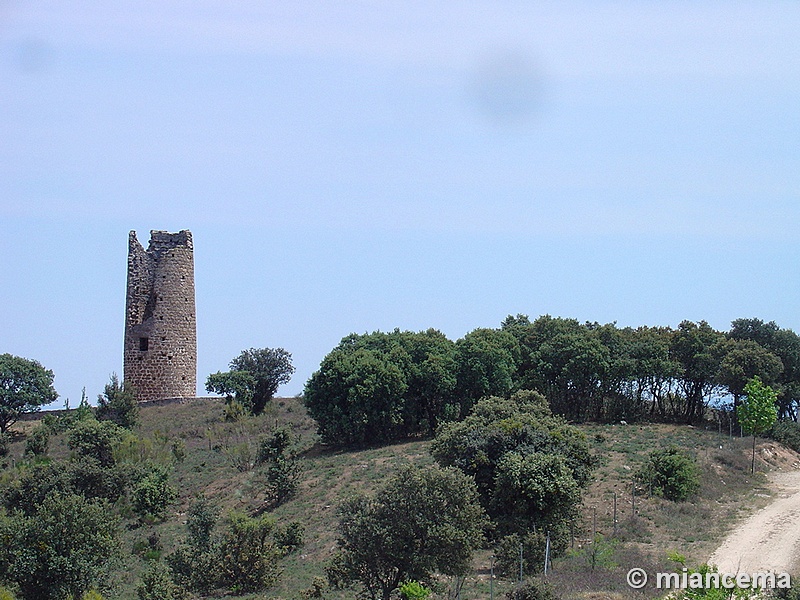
(546, 553)
(615, 514)
(491, 581)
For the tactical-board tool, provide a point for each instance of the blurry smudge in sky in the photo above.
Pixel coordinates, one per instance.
(34, 56)
(506, 87)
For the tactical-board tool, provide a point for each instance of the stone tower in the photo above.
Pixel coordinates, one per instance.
(160, 356)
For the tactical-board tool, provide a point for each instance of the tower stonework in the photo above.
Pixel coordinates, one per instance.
(160, 355)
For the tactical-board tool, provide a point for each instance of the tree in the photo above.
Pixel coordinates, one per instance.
(357, 397)
(63, 550)
(529, 465)
(423, 520)
(745, 359)
(757, 411)
(118, 404)
(486, 360)
(698, 349)
(785, 344)
(238, 388)
(380, 387)
(25, 386)
(269, 367)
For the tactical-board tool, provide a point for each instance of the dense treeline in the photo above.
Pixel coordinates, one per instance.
(378, 387)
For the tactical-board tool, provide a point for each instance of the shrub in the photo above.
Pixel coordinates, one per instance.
(317, 589)
(281, 469)
(672, 474)
(240, 456)
(38, 441)
(234, 411)
(157, 584)
(5, 442)
(274, 446)
(195, 564)
(118, 404)
(532, 590)
(248, 558)
(95, 439)
(153, 494)
(289, 539)
(65, 548)
(507, 554)
(787, 433)
(421, 521)
(413, 590)
(178, 448)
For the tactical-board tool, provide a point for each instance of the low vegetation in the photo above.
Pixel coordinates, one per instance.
(413, 467)
(157, 553)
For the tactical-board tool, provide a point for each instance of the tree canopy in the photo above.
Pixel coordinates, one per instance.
(529, 465)
(254, 377)
(25, 386)
(422, 521)
(379, 387)
(758, 411)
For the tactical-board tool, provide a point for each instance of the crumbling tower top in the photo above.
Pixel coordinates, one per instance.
(160, 352)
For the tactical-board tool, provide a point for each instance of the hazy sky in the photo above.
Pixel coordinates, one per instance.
(351, 166)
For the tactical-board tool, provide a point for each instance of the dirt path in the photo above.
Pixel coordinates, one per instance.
(768, 539)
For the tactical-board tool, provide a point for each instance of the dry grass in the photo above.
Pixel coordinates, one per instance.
(216, 452)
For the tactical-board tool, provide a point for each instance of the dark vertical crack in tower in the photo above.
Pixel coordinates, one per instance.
(160, 356)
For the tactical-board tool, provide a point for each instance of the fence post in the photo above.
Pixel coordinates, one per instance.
(546, 553)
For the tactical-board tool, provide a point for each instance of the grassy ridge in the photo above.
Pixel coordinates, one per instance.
(218, 455)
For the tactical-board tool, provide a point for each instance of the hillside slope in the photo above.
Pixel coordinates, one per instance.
(219, 456)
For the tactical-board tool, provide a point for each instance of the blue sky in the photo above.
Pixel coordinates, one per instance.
(353, 166)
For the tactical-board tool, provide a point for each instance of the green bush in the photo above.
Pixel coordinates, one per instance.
(95, 439)
(66, 548)
(194, 564)
(279, 466)
(178, 448)
(507, 554)
(532, 590)
(153, 494)
(289, 539)
(118, 404)
(248, 559)
(787, 433)
(5, 594)
(413, 590)
(157, 584)
(671, 473)
(242, 559)
(83, 476)
(38, 441)
(316, 590)
(5, 443)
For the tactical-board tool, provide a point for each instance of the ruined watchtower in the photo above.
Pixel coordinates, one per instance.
(160, 357)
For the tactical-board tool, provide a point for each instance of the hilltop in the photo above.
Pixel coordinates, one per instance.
(216, 460)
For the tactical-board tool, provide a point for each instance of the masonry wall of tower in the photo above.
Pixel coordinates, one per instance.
(160, 352)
